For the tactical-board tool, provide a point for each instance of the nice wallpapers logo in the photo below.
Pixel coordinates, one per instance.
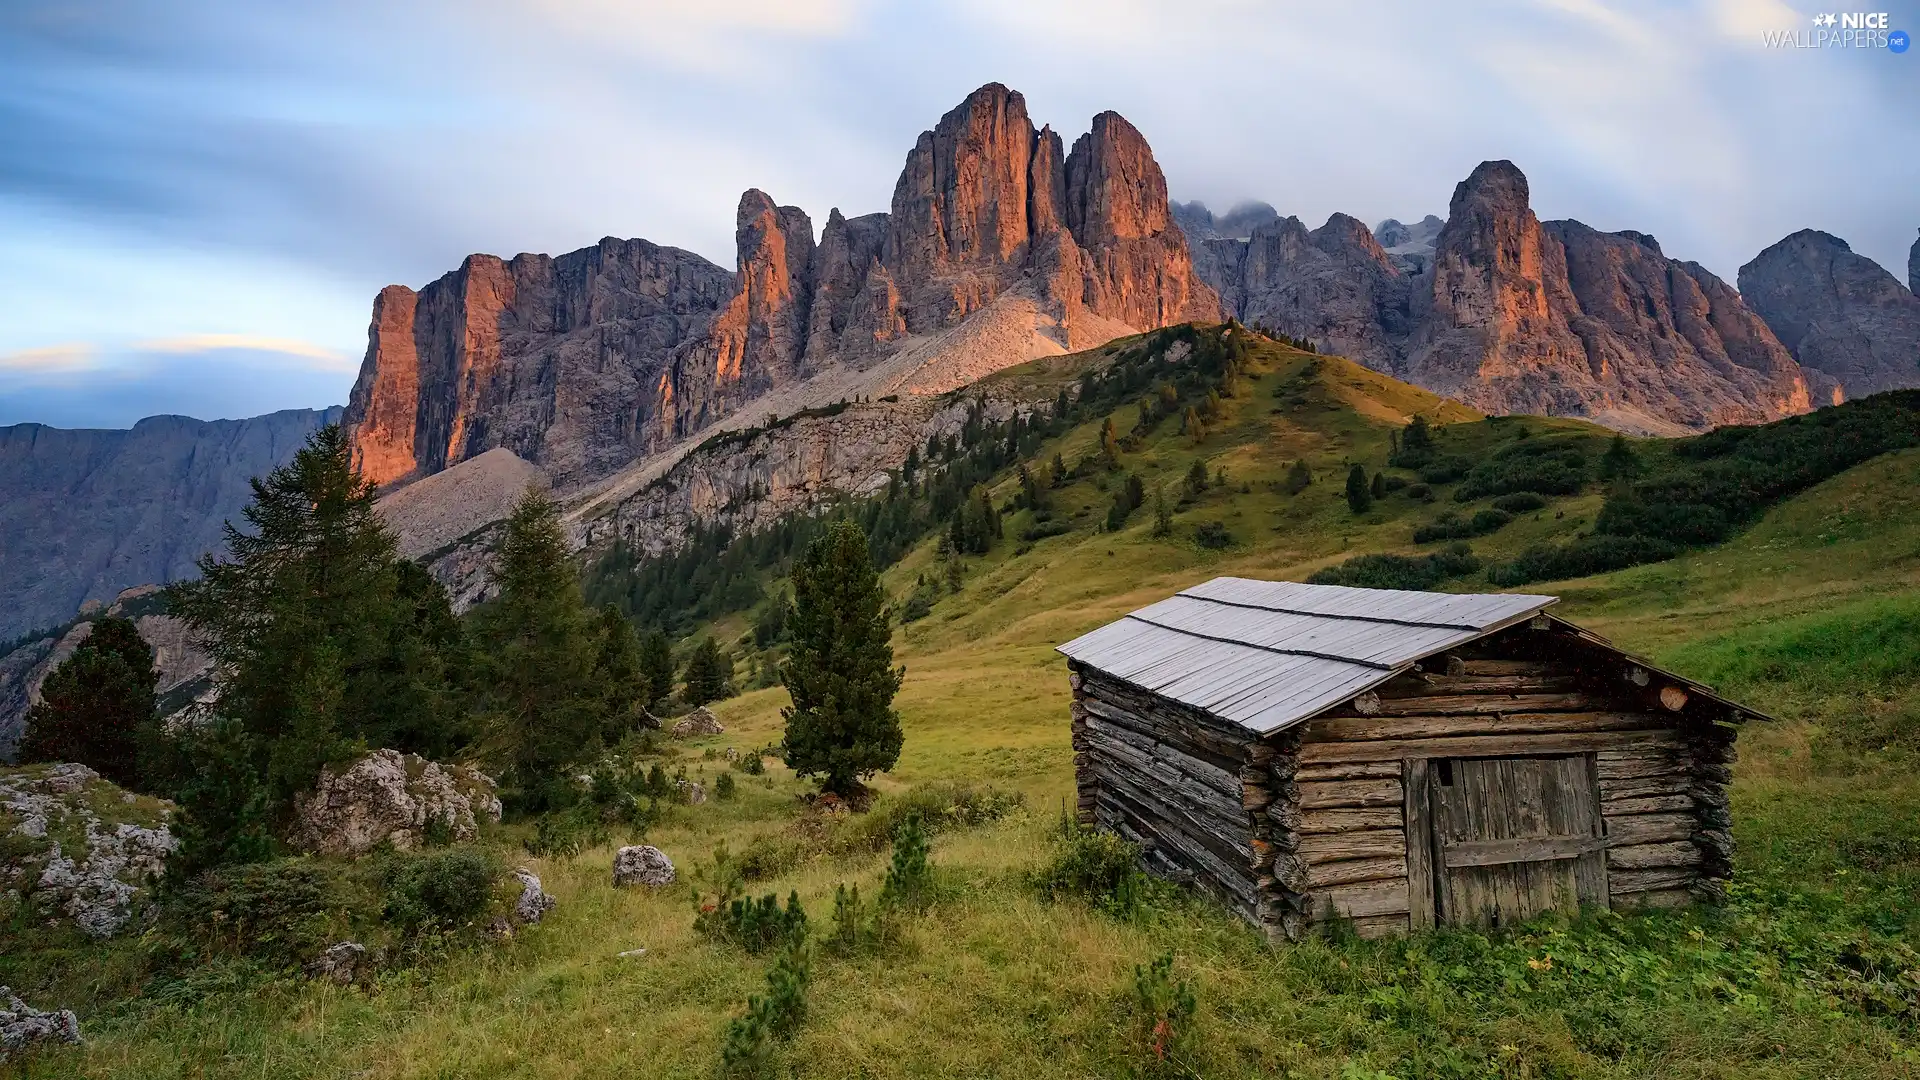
(1846, 30)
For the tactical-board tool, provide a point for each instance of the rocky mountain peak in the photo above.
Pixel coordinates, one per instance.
(1847, 320)
(1913, 268)
(1115, 189)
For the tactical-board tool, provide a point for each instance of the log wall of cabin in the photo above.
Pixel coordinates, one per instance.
(1662, 774)
(1191, 790)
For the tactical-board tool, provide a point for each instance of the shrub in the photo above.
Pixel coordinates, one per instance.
(1445, 470)
(1450, 527)
(1163, 1017)
(1519, 502)
(1212, 535)
(1592, 555)
(1095, 866)
(1299, 477)
(754, 925)
(724, 789)
(1419, 493)
(1400, 571)
(1538, 465)
(1041, 530)
(910, 878)
(1681, 523)
(746, 1049)
(441, 890)
(282, 911)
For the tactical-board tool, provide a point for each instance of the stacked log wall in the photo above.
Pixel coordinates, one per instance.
(1191, 790)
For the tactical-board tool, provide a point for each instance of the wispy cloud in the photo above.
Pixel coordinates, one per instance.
(50, 359)
(196, 343)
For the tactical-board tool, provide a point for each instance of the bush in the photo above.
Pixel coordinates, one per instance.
(1681, 523)
(1163, 1017)
(1420, 493)
(1592, 555)
(1445, 470)
(1519, 502)
(1041, 530)
(1095, 866)
(1543, 466)
(1400, 571)
(283, 912)
(1450, 527)
(441, 890)
(746, 1049)
(754, 925)
(724, 789)
(1212, 535)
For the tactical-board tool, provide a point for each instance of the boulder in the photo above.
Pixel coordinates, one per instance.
(24, 1029)
(391, 797)
(691, 792)
(642, 864)
(339, 963)
(534, 901)
(97, 883)
(700, 721)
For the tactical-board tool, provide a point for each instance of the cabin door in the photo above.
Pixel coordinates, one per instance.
(1513, 837)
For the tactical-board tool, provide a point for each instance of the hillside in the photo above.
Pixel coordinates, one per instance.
(1804, 974)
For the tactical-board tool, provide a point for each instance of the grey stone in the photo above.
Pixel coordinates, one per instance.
(24, 1029)
(390, 797)
(339, 963)
(98, 888)
(533, 903)
(642, 864)
(700, 721)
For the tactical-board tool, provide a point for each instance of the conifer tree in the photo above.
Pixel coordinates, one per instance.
(1192, 426)
(1196, 481)
(1162, 514)
(1619, 461)
(96, 708)
(542, 707)
(1058, 470)
(1299, 477)
(656, 666)
(1109, 444)
(1378, 489)
(1415, 445)
(841, 726)
(619, 672)
(302, 620)
(1359, 494)
(709, 675)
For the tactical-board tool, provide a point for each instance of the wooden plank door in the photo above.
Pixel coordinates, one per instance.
(1513, 837)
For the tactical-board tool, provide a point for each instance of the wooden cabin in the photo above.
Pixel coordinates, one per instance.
(1309, 753)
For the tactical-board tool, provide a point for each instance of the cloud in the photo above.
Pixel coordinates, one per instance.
(196, 343)
(49, 359)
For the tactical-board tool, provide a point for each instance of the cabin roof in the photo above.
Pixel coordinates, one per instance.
(1269, 654)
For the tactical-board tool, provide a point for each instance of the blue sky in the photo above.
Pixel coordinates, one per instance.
(199, 198)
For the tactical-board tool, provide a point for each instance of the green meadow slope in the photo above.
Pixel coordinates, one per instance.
(1812, 613)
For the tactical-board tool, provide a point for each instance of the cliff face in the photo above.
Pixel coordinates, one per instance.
(1851, 324)
(92, 512)
(1913, 269)
(1509, 314)
(585, 363)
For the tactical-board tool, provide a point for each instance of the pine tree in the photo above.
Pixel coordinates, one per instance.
(841, 726)
(656, 666)
(96, 708)
(1058, 470)
(1378, 489)
(1192, 426)
(1195, 483)
(1359, 495)
(909, 882)
(1109, 444)
(709, 675)
(1299, 477)
(539, 697)
(1162, 514)
(309, 629)
(1619, 461)
(619, 673)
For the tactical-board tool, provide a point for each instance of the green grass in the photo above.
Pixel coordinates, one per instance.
(1808, 972)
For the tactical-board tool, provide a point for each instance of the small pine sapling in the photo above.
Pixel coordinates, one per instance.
(1164, 1011)
(910, 878)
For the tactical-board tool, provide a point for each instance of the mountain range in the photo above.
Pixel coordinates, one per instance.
(597, 371)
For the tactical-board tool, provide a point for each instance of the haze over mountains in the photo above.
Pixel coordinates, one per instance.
(1001, 244)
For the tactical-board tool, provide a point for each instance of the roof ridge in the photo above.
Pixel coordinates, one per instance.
(1355, 661)
(1352, 618)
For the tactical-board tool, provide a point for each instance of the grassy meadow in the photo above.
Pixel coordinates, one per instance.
(1810, 970)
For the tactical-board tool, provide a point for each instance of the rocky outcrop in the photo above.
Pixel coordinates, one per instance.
(390, 797)
(91, 512)
(339, 963)
(580, 365)
(534, 902)
(642, 864)
(1512, 315)
(78, 847)
(1850, 323)
(1410, 246)
(25, 1030)
(1913, 269)
(700, 721)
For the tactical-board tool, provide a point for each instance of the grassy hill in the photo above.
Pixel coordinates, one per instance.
(1812, 613)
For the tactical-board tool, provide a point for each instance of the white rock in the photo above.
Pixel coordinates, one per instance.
(642, 864)
(339, 962)
(700, 721)
(391, 797)
(534, 902)
(23, 1028)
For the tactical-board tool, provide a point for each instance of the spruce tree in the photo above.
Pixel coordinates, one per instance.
(1162, 514)
(96, 708)
(1619, 461)
(709, 673)
(542, 708)
(1196, 480)
(1378, 489)
(656, 666)
(619, 673)
(313, 639)
(1359, 495)
(841, 726)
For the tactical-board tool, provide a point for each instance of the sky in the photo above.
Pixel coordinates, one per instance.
(200, 198)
